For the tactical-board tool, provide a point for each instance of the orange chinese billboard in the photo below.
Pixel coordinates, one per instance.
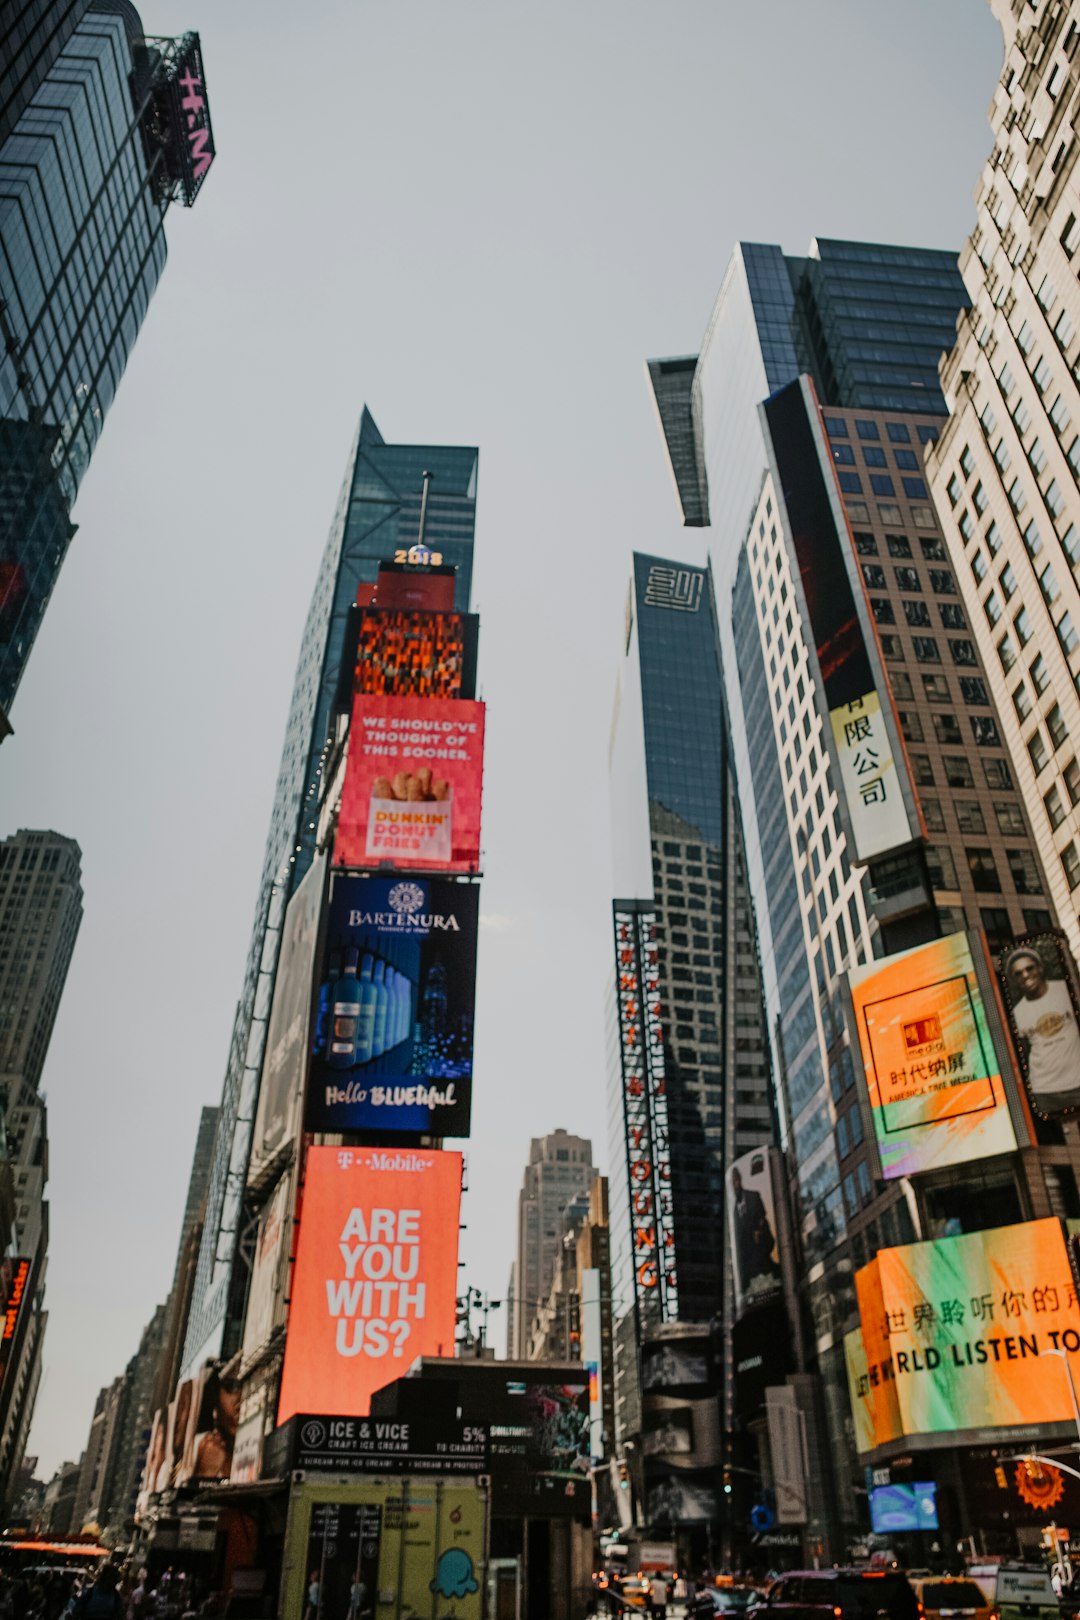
(375, 1282)
(934, 1078)
(964, 1333)
(412, 784)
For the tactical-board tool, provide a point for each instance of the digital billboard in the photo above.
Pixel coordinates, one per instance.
(285, 1061)
(271, 1246)
(14, 1302)
(393, 1043)
(413, 783)
(1038, 981)
(752, 1224)
(375, 1280)
(895, 1508)
(934, 1078)
(402, 652)
(877, 794)
(961, 1333)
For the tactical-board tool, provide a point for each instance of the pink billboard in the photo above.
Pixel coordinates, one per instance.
(412, 784)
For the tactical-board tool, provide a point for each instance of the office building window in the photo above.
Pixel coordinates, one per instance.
(901, 686)
(882, 609)
(1055, 725)
(836, 427)
(940, 867)
(1037, 751)
(867, 430)
(865, 544)
(914, 488)
(1059, 415)
(1066, 632)
(934, 549)
(951, 615)
(907, 579)
(1010, 818)
(898, 432)
(997, 773)
(993, 538)
(1007, 581)
(917, 614)
(979, 566)
(850, 483)
(1033, 539)
(899, 545)
(910, 725)
(973, 691)
(875, 457)
(936, 689)
(1070, 860)
(992, 608)
(1006, 653)
(979, 497)
(1071, 773)
(843, 455)
(906, 460)
(1025, 871)
(942, 582)
(1055, 809)
(969, 816)
(926, 650)
(958, 771)
(893, 648)
(922, 770)
(947, 730)
(985, 731)
(995, 921)
(928, 433)
(874, 575)
(1022, 702)
(1022, 626)
(963, 652)
(1055, 500)
(983, 869)
(1048, 584)
(933, 815)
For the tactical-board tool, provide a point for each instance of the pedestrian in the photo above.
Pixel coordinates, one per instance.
(102, 1601)
(658, 1596)
(314, 1596)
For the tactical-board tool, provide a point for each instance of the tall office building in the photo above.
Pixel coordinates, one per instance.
(117, 127)
(378, 514)
(32, 35)
(893, 853)
(689, 1073)
(1004, 471)
(560, 1169)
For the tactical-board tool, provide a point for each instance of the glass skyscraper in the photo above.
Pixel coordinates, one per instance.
(107, 139)
(32, 35)
(378, 513)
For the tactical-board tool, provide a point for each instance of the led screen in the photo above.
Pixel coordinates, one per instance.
(412, 785)
(1038, 980)
(959, 1334)
(752, 1224)
(903, 1507)
(375, 1280)
(936, 1092)
(393, 1041)
(410, 653)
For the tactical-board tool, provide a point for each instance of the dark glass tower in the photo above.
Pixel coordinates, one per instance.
(32, 35)
(117, 127)
(378, 513)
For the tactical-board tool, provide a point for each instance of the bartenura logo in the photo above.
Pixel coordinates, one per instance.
(408, 897)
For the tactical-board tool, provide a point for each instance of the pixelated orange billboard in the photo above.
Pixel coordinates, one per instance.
(964, 1333)
(375, 1281)
(932, 1071)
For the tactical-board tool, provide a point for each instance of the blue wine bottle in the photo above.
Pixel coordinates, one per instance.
(346, 1015)
(382, 1011)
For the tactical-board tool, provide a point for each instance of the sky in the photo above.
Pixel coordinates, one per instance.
(479, 218)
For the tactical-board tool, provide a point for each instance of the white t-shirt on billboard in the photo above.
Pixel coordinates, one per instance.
(1049, 1024)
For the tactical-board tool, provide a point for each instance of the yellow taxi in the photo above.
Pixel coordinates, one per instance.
(637, 1591)
(952, 1597)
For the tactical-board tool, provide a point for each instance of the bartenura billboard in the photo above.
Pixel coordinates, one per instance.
(962, 1334)
(393, 1045)
(936, 1091)
(412, 784)
(375, 1281)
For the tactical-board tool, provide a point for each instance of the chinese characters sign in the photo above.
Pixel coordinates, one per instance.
(933, 1076)
(961, 1334)
(868, 774)
(648, 1153)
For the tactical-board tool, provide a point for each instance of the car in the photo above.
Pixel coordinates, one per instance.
(1022, 1592)
(838, 1594)
(636, 1590)
(943, 1596)
(723, 1600)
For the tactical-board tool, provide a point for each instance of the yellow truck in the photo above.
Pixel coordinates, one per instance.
(385, 1549)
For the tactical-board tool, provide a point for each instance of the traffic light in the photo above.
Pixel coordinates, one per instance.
(727, 1481)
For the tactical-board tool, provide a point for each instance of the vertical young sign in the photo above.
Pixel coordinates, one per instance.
(375, 1282)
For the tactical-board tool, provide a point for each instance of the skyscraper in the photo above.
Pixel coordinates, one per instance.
(32, 35)
(378, 514)
(560, 1169)
(1004, 471)
(689, 1073)
(117, 127)
(893, 855)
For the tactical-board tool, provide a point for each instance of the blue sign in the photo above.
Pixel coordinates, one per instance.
(903, 1507)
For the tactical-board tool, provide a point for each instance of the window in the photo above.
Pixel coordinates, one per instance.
(906, 460)
(936, 689)
(1006, 653)
(1059, 415)
(1055, 725)
(1037, 456)
(969, 817)
(899, 545)
(908, 579)
(1007, 581)
(1025, 872)
(933, 549)
(1055, 500)
(1070, 545)
(850, 483)
(963, 652)
(942, 582)
(1066, 634)
(1055, 809)
(1022, 626)
(901, 686)
(874, 575)
(923, 517)
(995, 921)
(947, 730)
(1021, 415)
(1048, 584)
(967, 461)
(865, 544)
(926, 650)
(997, 773)
(1071, 773)
(979, 566)
(1040, 675)
(1025, 338)
(898, 432)
(928, 432)
(1017, 498)
(958, 771)
(984, 872)
(1042, 376)
(910, 725)
(922, 770)
(867, 430)
(882, 484)
(843, 455)
(892, 647)
(917, 614)
(1037, 921)
(988, 419)
(933, 816)
(940, 868)
(979, 497)
(1047, 294)
(882, 609)
(1002, 455)
(993, 539)
(973, 691)
(1037, 750)
(1033, 539)
(951, 615)
(985, 731)
(955, 489)
(1010, 818)
(992, 608)
(1070, 860)
(1006, 380)
(1022, 702)
(914, 488)
(836, 427)
(1072, 456)
(874, 457)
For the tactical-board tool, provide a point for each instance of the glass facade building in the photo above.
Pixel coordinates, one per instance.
(378, 512)
(82, 245)
(32, 35)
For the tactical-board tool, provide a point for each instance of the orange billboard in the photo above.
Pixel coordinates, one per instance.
(375, 1282)
(964, 1333)
(932, 1071)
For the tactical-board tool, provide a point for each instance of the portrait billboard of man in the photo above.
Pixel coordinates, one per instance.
(1037, 978)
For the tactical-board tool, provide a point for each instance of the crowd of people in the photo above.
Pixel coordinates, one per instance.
(110, 1593)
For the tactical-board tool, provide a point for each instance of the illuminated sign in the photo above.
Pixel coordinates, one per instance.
(962, 1333)
(175, 118)
(1038, 980)
(393, 1044)
(413, 782)
(645, 1116)
(752, 1226)
(14, 1276)
(375, 1281)
(872, 770)
(409, 652)
(934, 1079)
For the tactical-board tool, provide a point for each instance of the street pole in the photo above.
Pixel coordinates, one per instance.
(1064, 1356)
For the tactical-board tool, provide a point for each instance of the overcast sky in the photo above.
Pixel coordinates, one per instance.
(479, 217)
